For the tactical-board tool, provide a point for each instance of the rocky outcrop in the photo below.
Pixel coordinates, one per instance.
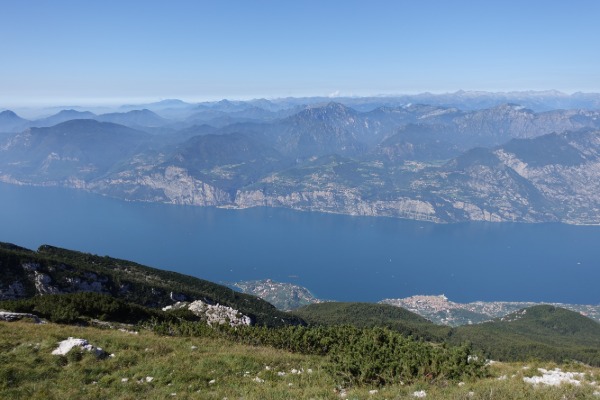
(67, 345)
(14, 316)
(43, 284)
(213, 314)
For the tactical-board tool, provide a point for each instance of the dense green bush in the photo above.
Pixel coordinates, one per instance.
(358, 356)
(79, 307)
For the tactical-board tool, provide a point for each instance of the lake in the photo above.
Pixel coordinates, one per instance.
(335, 256)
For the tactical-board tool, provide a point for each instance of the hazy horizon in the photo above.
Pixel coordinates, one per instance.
(69, 52)
(109, 103)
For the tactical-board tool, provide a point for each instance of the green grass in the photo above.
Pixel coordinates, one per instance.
(28, 370)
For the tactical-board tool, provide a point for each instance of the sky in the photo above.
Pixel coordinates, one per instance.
(115, 52)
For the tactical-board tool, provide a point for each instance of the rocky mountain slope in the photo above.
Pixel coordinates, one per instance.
(52, 270)
(427, 162)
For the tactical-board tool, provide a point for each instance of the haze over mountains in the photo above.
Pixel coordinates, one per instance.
(523, 156)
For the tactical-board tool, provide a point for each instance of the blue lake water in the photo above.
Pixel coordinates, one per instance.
(335, 256)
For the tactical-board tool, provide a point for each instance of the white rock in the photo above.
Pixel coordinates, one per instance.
(149, 378)
(124, 380)
(218, 314)
(212, 381)
(13, 316)
(258, 380)
(420, 393)
(374, 391)
(281, 373)
(67, 345)
(555, 377)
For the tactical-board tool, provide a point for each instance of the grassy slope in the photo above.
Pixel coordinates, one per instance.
(29, 371)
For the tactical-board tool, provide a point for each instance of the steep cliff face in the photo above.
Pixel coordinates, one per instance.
(173, 185)
(340, 202)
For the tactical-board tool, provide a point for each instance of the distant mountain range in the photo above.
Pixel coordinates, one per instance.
(377, 156)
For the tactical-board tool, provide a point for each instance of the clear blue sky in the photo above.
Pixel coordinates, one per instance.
(90, 51)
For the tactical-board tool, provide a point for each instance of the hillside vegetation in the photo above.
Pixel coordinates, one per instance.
(372, 315)
(349, 346)
(53, 270)
(539, 332)
(151, 366)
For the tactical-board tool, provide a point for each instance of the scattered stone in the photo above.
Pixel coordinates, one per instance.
(194, 347)
(211, 382)
(280, 373)
(258, 380)
(149, 379)
(374, 391)
(128, 331)
(501, 378)
(124, 380)
(67, 345)
(310, 371)
(461, 384)
(420, 393)
(555, 377)
(267, 368)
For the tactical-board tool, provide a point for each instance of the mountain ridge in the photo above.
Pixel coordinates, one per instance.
(416, 161)
(52, 270)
